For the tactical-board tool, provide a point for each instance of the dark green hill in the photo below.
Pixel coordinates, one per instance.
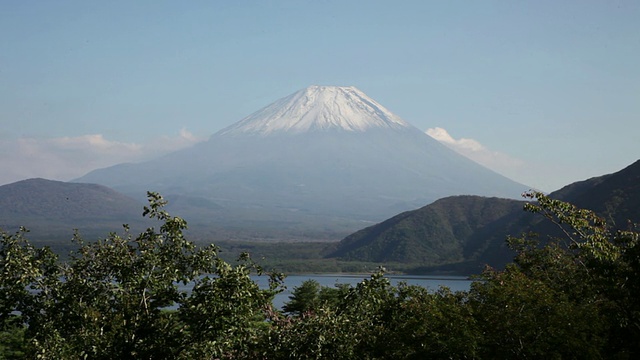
(436, 234)
(52, 209)
(615, 196)
(463, 233)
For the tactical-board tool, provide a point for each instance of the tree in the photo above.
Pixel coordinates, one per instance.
(523, 318)
(304, 298)
(310, 296)
(120, 297)
(423, 324)
(340, 330)
(573, 296)
(606, 270)
(375, 320)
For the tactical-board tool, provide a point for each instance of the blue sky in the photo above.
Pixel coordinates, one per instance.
(544, 92)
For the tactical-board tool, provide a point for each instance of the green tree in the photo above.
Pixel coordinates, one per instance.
(375, 320)
(121, 297)
(303, 298)
(310, 296)
(524, 318)
(12, 339)
(570, 296)
(606, 270)
(341, 330)
(423, 324)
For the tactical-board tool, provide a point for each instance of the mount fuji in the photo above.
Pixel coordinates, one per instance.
(325, 158)
(318, 108)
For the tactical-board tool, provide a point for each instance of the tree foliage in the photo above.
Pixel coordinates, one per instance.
(569, 297)
(310, 296)
(573, 296)
(121, 297)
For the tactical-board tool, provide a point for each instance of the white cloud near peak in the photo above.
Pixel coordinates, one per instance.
(499, 162)
(462, 144)
(66, 158)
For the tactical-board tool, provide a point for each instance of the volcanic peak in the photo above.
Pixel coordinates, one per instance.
(318, 108)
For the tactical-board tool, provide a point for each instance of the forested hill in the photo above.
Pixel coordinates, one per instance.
(51, 208)
(440, 233)
(462, 233)
(616, 197)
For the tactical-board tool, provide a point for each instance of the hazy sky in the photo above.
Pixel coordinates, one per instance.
(545, 92)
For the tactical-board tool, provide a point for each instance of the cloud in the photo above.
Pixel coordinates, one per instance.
(462, 145)
(474, 150)
(66, 158)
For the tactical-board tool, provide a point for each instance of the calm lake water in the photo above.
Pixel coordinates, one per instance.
(455, 283)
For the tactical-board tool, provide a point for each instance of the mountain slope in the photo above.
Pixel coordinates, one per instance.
(615, 196)
(321, 155)
(471, 231)
(53, 208)
(434, 234)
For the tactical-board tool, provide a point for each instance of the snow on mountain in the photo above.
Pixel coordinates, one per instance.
(318, 108)
(311, 160)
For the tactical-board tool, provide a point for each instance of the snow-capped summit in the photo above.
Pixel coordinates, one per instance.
(323, 158)
(318, 108)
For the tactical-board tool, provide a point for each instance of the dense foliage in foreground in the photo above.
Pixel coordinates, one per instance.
(574, 297)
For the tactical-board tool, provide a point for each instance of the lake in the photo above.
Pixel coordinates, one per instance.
(431, 282)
